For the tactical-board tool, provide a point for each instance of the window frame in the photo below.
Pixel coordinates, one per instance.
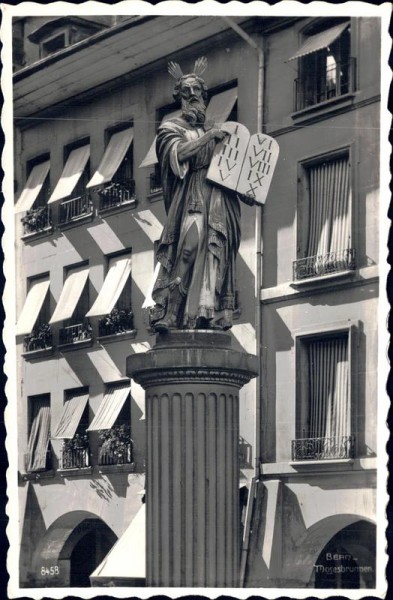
(313, 333)
(127, 252)
(86, 173)
(116, 128)
(67, 269)
(31, 399)
(303, 199)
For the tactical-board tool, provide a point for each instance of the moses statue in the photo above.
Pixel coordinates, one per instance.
(196, 284)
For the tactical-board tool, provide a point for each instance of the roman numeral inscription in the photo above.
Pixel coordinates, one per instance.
(244, 164)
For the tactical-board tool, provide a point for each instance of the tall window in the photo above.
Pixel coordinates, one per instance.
(34, 197)
(326, 69)
(324, 403)
(37, 456)
(325, 227)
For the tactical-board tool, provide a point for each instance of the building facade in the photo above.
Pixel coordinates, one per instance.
(89, 94)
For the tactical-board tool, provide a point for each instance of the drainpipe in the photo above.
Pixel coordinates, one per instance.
(258, 285)
(258, 237)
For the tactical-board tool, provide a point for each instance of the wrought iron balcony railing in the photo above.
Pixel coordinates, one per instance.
(36, 220)
(323, 448)
(74, 458)
(39, 339)
(324, 264)
(118, 321)
(155, 182)
(117, 194)
(74, 208)
(315, 87)
(75, 333)
(115, 456)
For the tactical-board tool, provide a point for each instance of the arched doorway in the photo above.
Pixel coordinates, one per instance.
(348, 560)
(71, 549)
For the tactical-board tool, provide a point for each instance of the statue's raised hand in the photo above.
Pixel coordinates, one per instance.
(218, 134)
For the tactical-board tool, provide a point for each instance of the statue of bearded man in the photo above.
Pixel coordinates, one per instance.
(195, 288)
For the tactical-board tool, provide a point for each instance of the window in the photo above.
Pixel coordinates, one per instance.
(324, 221)
(34, 197)
(114, 176)
(71, 187)
(72, 430)
(34, 318)
(57, 42)
(73, 305)
(113, 423)
(324, 399)
(38, 457)
(326, 69)
(114, 299)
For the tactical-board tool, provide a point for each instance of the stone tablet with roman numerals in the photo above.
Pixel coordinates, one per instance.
(258, 167)
(228, 157)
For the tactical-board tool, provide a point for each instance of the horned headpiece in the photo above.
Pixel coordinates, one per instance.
(175, 71)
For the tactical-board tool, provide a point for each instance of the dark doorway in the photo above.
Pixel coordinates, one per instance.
(87, 554)
(348, 560)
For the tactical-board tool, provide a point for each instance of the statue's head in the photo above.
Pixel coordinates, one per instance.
(191, 91)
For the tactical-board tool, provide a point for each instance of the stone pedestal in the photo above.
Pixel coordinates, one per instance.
(192, 381)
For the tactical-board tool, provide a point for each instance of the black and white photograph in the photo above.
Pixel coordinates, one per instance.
(195, 254)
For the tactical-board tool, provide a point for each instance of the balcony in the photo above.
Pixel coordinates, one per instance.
(116, 447)
(117, 194)
(75, 453)
(76, 208)
(117, 322)
(39, 339)
(320, 86)
(324, 264)
(37, 220)
(323, 448)
(80, 332)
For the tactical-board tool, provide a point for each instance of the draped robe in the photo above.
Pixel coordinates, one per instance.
(189, 198)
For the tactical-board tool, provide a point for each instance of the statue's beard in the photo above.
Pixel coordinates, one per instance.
(194, 111)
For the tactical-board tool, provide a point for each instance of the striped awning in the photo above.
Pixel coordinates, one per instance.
(33, 186)
(72, 171)
(110, 407)
(119, 272)
(320, 40)
(115, 152)
(31, 309)
(39, 436)
(72, 413)
(70, 294)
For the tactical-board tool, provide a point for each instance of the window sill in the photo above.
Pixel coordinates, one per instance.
(155, 196)
(36, 476)
(75, 472)
(77, 221)
(34, 354)
(118, 208)
(76, 345)
(126, 468)
(28, 237)
(310, 281)
(117, 337)
(323, 108)
(325, 464)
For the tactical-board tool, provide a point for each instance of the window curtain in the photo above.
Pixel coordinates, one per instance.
(330, 219)
(329, 402)
(39, 436)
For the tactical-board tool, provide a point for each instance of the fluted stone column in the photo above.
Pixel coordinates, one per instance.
(192, 381)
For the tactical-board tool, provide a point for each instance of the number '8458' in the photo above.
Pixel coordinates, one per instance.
(50, 571)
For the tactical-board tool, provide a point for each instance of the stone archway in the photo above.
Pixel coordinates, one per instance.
(71, 549)
(348, 560)
(300, 569)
